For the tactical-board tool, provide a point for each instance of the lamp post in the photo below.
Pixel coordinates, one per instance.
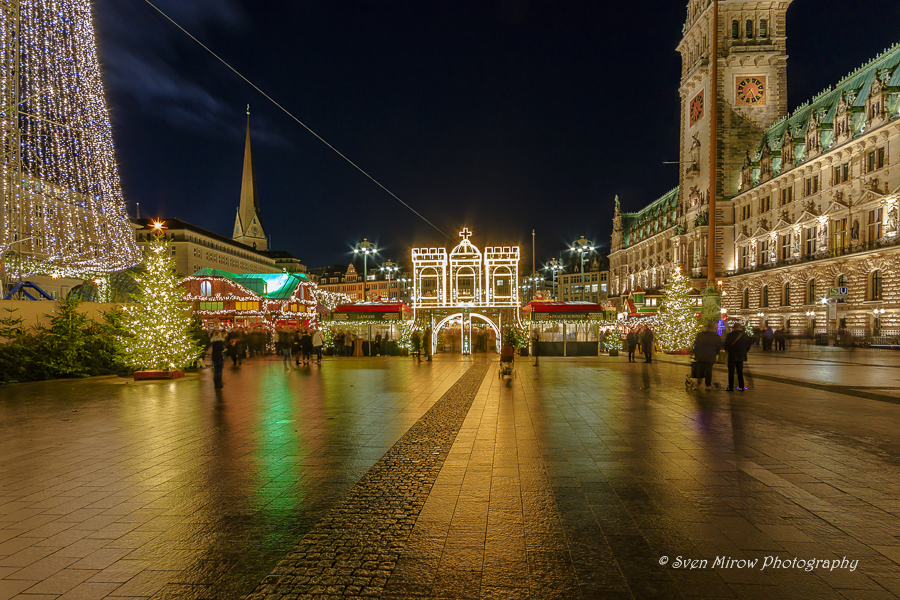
(403, 281)
(366, 248)
(582, 247)
(389, 267)
(554, 267)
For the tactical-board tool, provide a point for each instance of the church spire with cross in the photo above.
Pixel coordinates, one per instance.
(248, 228)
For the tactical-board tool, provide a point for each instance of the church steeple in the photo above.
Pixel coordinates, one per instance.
(248, 227)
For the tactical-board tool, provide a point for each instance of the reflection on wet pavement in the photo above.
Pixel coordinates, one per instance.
(574, 482)
(169, 488)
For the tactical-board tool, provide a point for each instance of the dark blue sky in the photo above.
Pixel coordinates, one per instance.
(505, 116)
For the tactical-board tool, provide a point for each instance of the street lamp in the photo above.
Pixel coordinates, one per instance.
(554, 266)
(582, 247)
(389, 267)
(365, 248)
(404, 281)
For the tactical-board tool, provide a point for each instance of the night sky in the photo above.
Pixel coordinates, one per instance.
(504, 116)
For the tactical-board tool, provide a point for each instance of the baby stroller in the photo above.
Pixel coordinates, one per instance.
(507, 355)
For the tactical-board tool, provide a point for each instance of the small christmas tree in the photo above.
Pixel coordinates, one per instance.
(159, 331)
(678, 322)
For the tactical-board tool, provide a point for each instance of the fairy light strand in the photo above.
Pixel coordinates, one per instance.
(63, 210)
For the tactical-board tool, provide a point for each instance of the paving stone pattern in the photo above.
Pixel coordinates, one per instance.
(353, 551)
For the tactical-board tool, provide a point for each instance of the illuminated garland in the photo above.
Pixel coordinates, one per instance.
(157, 325)
(63, 210)
(331, 300)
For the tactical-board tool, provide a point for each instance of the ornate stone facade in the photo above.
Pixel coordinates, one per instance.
(819, 208)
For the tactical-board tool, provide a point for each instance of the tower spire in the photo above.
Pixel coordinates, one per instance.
(248, 227)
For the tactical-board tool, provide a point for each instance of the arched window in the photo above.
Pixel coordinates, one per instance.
(875, 286)
(811, 292)
(763, 28)
(205, 288)
(749, 33)
(745, 301)
(841, 280)
(735, 30)
(786, 295)
(764, 297)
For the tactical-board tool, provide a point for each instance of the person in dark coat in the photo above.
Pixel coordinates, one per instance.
(428, 342)
(646, 340)
(768, 338)
(233, 345)
(631, 342)
(780, 338)
(706, 350)
(415, 341)
(737, 344)
(306, 346)
(217, 343)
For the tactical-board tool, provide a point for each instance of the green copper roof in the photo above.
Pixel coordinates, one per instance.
(852, 89)
(657, 216)
(274, 286)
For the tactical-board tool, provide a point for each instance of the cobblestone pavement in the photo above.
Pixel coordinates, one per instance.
(353, 551)
(574, 482)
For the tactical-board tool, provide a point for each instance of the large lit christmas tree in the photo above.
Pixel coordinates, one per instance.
(678, 323)
(158, 327)
(63, 211)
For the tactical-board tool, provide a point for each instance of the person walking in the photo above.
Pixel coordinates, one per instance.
(284, 344)
(348, 343)
(631, 343)
(306, 346)
(737, 344)
(706, 349)
(535, 340)
(318, 340)
(232, 346)
(428, 344)
(646, 340)
(768, 337)
(780, 337)
(217, 344)
(415, 341)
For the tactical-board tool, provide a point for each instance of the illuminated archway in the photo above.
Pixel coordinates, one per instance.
(459, 316)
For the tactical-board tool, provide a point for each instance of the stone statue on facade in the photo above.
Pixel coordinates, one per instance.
(822, 237)
(892, 219)
(854, 231)
(795, 244)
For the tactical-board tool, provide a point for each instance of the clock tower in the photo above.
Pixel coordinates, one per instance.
(248, 227)
(751, 65)
(748, 51)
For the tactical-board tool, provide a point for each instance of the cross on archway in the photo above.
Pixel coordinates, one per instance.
(465, 234)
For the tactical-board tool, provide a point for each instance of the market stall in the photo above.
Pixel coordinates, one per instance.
(565, 328)
(375, 325)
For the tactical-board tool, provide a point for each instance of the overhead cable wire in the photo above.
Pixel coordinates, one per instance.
(291, 115)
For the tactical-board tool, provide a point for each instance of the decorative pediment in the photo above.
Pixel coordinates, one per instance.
(782, 224)
(760, 232)
(834, 208)
(807, 216)
(741, 237)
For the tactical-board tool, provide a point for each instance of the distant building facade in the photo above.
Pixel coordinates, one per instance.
(345, 279)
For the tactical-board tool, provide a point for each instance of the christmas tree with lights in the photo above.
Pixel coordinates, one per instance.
(678, 323)
(64, 211)
(159, 329)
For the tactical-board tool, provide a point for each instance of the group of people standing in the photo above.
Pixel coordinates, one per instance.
(643, 337)
(706, 350)
(302, 342)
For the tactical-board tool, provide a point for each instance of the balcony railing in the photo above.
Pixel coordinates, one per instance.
(833, 253)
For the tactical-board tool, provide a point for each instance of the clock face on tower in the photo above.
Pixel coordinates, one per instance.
(696, 108)
(750, 90)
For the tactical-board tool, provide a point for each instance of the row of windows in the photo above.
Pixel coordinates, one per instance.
(872, 161)
(749, 29)
(874, 291)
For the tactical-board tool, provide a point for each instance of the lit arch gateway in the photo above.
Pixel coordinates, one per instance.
(452, 288)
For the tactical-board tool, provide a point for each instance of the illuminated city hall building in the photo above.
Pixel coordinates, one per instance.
(806, 202)
(449, 290)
